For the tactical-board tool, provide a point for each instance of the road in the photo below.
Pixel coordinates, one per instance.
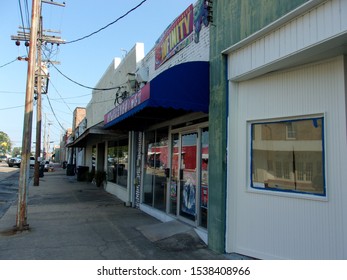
(9, 177)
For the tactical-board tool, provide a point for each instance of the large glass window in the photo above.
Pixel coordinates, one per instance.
(288, 156)
(117, 162)
(155, 169)
(204, 178)
(175, 172)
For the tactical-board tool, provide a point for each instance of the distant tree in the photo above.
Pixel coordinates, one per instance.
(16, 151)
(5, 143)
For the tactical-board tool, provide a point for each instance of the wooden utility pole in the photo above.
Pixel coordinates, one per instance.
(38, 108)
(21, 218)
(35, 41)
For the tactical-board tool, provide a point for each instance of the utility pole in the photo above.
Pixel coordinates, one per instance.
(48, 140)
(35, 41)
(21, 219)
(38, 108)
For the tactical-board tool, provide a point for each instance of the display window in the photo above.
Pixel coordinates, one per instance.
(288, 156)
(156, 163)
(204, 177)
(117, 162)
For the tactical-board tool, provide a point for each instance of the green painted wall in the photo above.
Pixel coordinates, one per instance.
(233, 20)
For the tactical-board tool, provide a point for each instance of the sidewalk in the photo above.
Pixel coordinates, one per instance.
(71, 220)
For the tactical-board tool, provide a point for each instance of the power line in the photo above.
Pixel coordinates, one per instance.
(8, 62)
(27, 12)
(81, 85)
(8, 108)
(12, 92)
(102, 28)
(22, 19)
(60, 96)
(50, 105)
(65, 98)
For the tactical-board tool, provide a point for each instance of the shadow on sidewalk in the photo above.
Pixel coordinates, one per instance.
(69, 219)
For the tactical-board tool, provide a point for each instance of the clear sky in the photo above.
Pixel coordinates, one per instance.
(84, 61)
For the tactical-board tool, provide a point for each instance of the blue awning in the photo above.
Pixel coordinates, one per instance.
(177, 91)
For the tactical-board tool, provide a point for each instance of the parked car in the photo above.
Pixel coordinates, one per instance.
(48, 166)
(3, 158)
(32, 161)
(14, 161)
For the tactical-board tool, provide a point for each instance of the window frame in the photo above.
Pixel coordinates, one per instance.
(286, 192)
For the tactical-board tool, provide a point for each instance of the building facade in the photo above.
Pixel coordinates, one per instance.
(282, 154)
(147, 124)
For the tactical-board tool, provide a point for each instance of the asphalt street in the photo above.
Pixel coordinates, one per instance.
(9, 177)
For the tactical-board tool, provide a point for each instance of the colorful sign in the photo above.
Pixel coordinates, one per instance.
(131, 102)
(176, 37)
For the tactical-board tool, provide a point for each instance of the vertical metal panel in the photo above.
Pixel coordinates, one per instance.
(317, 25)
(271, 44)
(279, 226)
(343, 7)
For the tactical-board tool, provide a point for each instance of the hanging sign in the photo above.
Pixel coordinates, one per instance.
(131, 102)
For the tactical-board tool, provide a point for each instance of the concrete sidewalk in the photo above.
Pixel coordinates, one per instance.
(71, 220)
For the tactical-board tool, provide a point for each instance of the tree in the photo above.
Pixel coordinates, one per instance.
(5, 143)
(16, 151)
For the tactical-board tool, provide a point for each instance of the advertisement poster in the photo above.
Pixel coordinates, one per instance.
(189, 195)
(204, 197)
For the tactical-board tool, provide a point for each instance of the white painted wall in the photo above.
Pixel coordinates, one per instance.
(102, 101)
(270, 226)
(118, 191)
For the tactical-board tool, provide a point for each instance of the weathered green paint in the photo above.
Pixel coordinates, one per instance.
(233, 20)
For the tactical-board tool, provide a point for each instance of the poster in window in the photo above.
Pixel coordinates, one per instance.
(204, 197)
(173, 190)
(189, 200)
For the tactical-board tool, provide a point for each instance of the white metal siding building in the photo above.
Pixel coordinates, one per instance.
(291, 72)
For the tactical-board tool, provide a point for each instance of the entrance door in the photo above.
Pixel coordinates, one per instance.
(188, 176)
(183, 185)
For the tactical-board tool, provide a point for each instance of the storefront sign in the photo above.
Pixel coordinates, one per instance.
(131, 102)
(175, 38)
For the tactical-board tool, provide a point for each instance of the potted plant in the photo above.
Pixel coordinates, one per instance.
(100, 178)
(91, 175)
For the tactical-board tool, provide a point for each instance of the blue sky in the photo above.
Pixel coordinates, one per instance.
(84, 61)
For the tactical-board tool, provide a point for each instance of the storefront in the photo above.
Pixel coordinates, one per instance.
(169, 162)
(175, 172)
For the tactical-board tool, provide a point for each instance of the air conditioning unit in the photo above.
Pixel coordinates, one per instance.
(142, 75)
(131, 82)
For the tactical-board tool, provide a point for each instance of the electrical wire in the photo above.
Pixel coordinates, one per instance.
(9, 108)
(65, 98)
(77, 83)
(55, 116)
(27, 12)
(60, 95)
(22, 19)
(8, 62)
(106, 26)
(12, 92)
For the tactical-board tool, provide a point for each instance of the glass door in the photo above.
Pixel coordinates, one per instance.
(174, 176)
(188, 176)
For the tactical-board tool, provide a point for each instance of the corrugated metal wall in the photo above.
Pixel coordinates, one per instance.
(326, 21)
